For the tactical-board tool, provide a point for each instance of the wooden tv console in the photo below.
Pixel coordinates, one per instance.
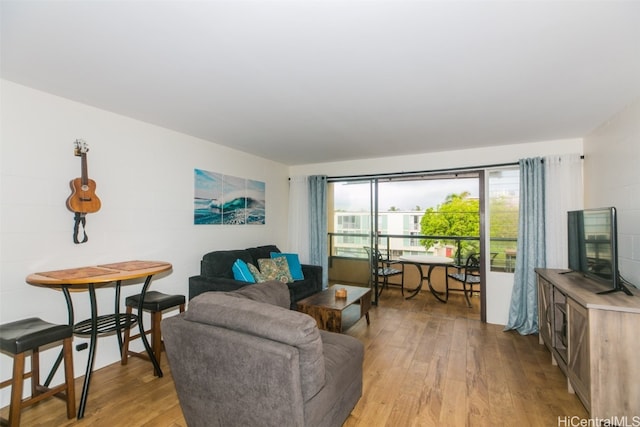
(594, 339)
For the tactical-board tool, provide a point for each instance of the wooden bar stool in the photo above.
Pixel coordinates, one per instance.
(17, 338)
(155, 303)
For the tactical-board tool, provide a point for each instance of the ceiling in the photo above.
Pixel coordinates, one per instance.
(317, 81)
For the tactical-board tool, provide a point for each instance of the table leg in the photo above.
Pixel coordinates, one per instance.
(143, 337)
(117, 312)
(433, 291)
(365, 306)
(92, 350)
(56, 365)
(415, 291)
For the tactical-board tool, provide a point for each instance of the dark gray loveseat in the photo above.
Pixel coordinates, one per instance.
(216, 273)
(243, 358)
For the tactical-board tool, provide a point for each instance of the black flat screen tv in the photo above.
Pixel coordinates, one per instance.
(593, 246)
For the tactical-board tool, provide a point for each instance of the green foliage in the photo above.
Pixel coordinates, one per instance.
(457, 216)
(504, 228)
(504, 218)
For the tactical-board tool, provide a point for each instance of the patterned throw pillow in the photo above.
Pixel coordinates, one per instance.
(283, 267)
(295, 268)
(272, 271)
(259, 277)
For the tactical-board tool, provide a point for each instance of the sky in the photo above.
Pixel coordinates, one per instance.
(403, 195)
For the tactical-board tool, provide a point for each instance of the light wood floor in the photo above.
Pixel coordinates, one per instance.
(426, 364)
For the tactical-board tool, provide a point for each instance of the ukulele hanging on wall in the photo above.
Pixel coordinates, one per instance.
(83, 199)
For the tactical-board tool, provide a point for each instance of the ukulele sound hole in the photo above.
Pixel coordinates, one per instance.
(84, 188)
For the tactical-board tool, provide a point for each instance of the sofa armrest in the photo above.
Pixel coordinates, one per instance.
(200, 284)
(313, 273)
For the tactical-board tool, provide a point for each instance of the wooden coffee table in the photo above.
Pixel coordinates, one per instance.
(337, 314)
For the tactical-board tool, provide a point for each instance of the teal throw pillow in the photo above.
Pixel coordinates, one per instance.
(294, 264)
(241, 272)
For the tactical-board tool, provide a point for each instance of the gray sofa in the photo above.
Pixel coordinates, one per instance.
(243, 358)
(216, 273)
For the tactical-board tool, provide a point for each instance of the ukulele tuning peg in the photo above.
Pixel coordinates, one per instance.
(81, 145)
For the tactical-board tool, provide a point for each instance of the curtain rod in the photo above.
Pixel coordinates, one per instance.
(425, 172)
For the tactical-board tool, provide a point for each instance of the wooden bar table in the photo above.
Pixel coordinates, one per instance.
(87, 279)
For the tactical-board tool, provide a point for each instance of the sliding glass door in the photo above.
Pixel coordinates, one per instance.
(429, 213)
(404, 215)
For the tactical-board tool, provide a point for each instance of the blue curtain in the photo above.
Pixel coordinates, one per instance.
(318, 225)
(523, 312)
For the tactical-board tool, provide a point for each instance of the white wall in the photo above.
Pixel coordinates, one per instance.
(145, 179)
(499, 285)
(612, 178)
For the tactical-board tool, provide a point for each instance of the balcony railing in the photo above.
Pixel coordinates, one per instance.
(392, 246)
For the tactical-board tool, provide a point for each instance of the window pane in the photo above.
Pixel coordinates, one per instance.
(504, 190)
(351, 218)
(402, 206)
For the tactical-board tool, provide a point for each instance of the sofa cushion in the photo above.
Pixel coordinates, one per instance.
(275, 293)
(262, 252)
(220, 263)
(293, 260)
(270, 322)
(344, 356)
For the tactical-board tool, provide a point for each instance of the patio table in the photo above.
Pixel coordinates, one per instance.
(432, 261)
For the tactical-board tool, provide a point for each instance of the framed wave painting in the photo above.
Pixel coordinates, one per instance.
(225, 199)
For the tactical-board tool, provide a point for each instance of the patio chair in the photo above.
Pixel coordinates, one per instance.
(467, 274)
(381, 268)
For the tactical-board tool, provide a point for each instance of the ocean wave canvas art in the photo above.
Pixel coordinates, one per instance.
(225, 199)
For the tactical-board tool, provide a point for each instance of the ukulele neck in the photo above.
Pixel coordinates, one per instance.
(85, 175)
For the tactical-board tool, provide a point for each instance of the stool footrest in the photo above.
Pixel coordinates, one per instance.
(107, 323)
(44, 393)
